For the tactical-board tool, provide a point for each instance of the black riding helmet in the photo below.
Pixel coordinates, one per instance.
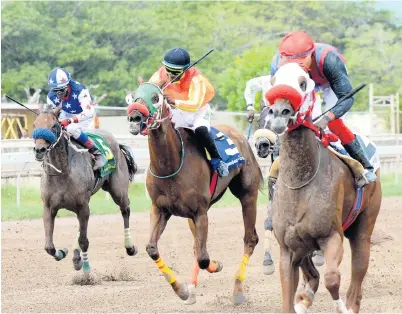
(176, 60)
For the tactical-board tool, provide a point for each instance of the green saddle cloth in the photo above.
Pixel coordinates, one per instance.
(105, 149)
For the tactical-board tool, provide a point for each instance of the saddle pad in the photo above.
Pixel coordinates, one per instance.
(227, 149)
(105, 149)
(369, 148)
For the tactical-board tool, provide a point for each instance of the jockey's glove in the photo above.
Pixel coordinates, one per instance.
(323, 121)
(66, 122)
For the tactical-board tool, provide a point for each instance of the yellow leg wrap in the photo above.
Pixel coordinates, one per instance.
(274, 171)
(166, 271)
(241, 271)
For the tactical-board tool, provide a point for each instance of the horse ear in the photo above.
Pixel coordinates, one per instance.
(57, 110)
(140, 80)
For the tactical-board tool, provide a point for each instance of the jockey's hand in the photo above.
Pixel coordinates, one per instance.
(169, 100)
(250, 113)
(322, 122)
(65, 122)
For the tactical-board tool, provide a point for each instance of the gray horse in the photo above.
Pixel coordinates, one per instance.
(69, 182)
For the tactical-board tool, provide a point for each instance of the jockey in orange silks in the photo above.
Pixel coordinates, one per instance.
(190, 97)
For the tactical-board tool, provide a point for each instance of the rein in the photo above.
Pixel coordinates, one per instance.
(304, 119)
(181, 162)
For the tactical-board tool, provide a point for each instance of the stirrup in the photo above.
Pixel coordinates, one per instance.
(366, 178)
(223, 169)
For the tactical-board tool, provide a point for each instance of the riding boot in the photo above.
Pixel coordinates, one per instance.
(205, 139)
(356, 151)
(100, 159)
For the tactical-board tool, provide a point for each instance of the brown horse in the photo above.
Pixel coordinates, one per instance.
(69, 182)
(178, 183)
(314, 195)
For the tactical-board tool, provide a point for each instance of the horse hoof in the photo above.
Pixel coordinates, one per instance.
(192, 298)
(181, 290)
(239, 298)
(77, 264)
(219, 266)
(86, 268)
(132, 250)
(300, 308)
(268, 269)
(318, 258)
(60, 254)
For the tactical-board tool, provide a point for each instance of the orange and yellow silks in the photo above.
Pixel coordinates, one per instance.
(241, 271)
(166, 271)
(192, 92)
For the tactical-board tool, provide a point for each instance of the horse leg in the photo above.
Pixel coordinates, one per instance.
(120, 197)
(333, 253)
(77, 260)
(213, 267)
(49, 215)
(304, 298)
(289, 274)
(158, 224)
(83, 217)
(249, 210)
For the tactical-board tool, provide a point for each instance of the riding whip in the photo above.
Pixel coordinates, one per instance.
(350, 94)
(16, 101)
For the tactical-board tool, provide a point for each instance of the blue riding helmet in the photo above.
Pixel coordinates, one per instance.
(177, 58)
(58, 78)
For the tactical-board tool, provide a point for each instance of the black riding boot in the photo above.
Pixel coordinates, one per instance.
(205, 139)
(356, 151)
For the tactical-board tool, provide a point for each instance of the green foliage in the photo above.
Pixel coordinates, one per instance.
(111, 43)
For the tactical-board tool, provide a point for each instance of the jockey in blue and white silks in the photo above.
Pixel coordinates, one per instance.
(77, 110)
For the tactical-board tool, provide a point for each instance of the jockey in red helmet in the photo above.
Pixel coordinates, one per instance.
(326, 67)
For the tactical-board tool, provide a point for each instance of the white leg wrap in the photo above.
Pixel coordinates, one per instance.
(300, 308)
(128, 242)
(85, 256)
(340, 306)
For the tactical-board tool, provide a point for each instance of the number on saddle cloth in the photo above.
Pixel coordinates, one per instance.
(105, 149)
(227, 149)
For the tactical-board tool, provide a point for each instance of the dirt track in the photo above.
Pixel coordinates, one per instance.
(34, 282)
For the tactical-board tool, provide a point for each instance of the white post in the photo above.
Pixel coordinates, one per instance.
(371, 108)
(392, 107)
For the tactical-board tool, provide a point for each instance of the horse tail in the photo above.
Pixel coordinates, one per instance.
(132, 166)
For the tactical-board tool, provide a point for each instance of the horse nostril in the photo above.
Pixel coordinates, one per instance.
(264, 145)
(270, 111)
(43, 149)
(285, 112)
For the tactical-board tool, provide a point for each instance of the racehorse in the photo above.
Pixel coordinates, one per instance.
(178, 182)
(315, 200)
(69, 182)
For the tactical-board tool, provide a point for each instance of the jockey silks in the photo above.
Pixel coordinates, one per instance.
(192, 92)
(317, 66)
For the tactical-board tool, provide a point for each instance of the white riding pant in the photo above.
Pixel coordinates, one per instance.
(330, 100)
(75, 129)
(192, 120)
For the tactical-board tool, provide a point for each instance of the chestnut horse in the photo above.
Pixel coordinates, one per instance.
(178, 182)
(314, 195)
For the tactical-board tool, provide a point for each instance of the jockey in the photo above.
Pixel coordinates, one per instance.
(190, 97)
(77, 109)
(326, 67)
(254, 85)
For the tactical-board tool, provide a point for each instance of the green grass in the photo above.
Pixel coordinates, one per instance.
(31, 203)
